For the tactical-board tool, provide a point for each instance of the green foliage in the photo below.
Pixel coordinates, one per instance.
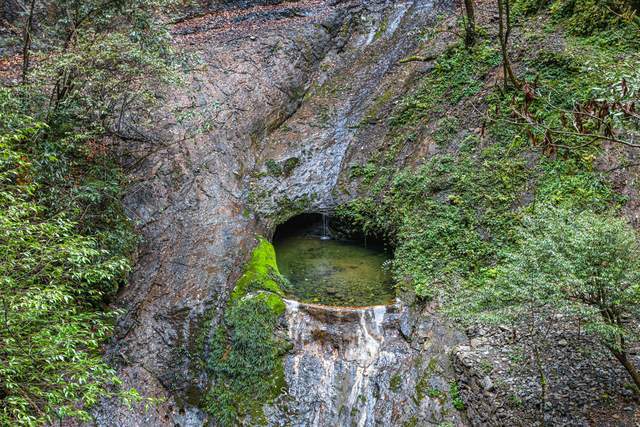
(448, 217)
(273, 168)
(395, 382)
(457, 75)
(580, 264)
(456, 399)
(528, 7)
(588, 16)
(571, 185)
(284, 168)
(456, 219)
(245, 357)
(583, 95)
(447, 127)
(99, 60)
(289, 165)
(64, 239)
(56, 272)
(435, 393)
(582, 17)
(452, 217)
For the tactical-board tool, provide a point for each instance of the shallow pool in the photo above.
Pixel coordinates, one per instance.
(333, 272)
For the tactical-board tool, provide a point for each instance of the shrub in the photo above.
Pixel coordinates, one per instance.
(568, 265)
(55, 276)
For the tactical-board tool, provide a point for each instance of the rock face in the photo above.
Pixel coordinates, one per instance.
(284, 83)
(334, 122)
(500, 386)
(354, 366)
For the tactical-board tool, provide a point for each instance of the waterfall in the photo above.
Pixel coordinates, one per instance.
(325, 227)
(336, 354)
(353, 366)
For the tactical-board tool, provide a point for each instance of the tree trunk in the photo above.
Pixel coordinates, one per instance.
(470, 25)
(26, 46)
(504, 31)
(623, 358)
(542, 378)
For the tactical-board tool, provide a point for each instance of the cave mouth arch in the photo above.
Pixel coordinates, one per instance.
(327, 263)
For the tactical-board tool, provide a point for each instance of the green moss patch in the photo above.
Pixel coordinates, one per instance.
(261, 273)
(245, 358)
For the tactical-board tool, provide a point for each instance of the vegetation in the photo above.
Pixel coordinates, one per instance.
(583, 17)
(461, 220)
(456, 399)
(512, 221)
(60, 263)
(568, 266)
(245, 356)
(65, 242)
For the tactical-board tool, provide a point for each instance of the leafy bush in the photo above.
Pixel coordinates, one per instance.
(446, 85)
(54, 281)
(582, 17)
(568, 266)
(64, 239)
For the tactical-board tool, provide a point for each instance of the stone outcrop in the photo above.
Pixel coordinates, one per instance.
(382, 365)
(500, 387)
(271, 81)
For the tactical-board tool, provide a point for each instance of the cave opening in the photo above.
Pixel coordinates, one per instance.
(327, 262)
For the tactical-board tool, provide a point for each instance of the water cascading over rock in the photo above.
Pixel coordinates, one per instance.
(365, 366)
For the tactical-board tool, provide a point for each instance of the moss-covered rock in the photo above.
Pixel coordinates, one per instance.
(245, 358)
(261, 272)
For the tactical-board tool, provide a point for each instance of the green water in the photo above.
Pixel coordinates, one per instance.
(333, 272)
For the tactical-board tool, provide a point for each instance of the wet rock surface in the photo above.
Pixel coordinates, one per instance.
(354, 366)
(332, 125)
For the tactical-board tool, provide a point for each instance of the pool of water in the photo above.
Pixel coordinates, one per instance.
(333, 272)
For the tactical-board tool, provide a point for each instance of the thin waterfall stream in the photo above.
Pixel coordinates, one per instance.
(325, 227)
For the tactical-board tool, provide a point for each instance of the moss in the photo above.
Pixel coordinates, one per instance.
(412, 422)
(274, 302)
(422, 388)
(458, 74)
(395, 382)
(261, 272)
(284, 168)
(245, 358)
(435, 393)
(273, 168)
(289, 165)
(384, 25)
(288, 208)
(373, 113)
(433, 364)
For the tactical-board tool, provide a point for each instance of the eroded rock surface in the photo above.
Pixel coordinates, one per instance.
(382, 365)
(274, 81)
